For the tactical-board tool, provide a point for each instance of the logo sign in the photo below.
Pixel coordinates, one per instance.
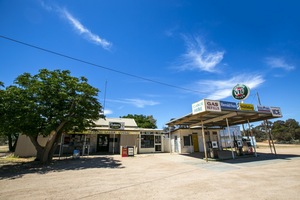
(276, 111)
(116, 125)
(265, 109)
(240, 92)
(206, 105)
(246, 106)
(228, 105)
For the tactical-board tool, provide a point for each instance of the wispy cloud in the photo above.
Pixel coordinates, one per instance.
(78, 26)
(279, 62)
(220, 89)
(198, 57)
(140, 103)
(108, 112)
(82, 30)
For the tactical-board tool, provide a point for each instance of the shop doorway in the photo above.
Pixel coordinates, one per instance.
(195, 142)
(102, 143)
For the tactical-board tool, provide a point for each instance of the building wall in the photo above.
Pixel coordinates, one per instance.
(128, 140)
(25, 148)
(179, 147)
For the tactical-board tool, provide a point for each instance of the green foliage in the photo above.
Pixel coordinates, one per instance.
(287, 131)
(143, 121)
(46, 102)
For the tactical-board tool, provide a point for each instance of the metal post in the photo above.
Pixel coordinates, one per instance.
(170, 146)
(114, 144)
(273, 142)
(228, 129)
(204, 142)
(252, 138)
(61, 144)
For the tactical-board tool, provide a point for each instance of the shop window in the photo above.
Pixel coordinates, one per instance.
(187, 141)
(147, 141)
(157, 139)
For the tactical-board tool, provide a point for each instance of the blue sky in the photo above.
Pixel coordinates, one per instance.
(158, 57)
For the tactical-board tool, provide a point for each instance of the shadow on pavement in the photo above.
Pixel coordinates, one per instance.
(226, 157)
(20, 169)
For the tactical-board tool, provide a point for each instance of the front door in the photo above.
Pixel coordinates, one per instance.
(102, 143)
(195, 142)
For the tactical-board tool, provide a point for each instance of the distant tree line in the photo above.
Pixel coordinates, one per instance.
(281, 131)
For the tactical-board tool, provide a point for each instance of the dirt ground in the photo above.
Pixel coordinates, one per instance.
(157, 176)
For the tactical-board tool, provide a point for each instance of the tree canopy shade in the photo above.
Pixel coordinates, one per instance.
(143, 121)
(48, 104)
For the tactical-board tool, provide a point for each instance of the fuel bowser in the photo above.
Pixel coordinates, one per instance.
(213, 149)
(238, 144)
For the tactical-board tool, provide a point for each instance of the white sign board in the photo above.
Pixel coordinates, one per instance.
(198, 107)
(276, 111)
(206, 105)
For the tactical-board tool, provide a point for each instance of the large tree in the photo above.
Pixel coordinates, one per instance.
(8, 109)
(48, 104)
(143, 121)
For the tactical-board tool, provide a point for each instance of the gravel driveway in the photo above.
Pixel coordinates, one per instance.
(157, 176)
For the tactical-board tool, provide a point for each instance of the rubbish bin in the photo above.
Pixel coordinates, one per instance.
(76, 153)
(124, 152)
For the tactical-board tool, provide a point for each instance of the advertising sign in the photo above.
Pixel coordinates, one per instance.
(240, 92)
(276, 111)
(116, 125)
(265, 109)
(198, 107)
(206, 105)
(211, 105)
(246, 106)
(228, 105)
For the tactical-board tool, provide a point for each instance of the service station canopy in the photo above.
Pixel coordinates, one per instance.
(213, 113)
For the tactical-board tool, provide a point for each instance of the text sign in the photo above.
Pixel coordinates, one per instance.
(211, 105)
(198, 107)
(276, 111)
(206, 105)
(116, 125)
(265, 109)
(228, 105)
(246, 106)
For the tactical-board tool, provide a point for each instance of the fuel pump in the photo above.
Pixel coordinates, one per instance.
(213, 149)
(238, 144)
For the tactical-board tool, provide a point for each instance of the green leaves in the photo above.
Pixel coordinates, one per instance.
(40, 103)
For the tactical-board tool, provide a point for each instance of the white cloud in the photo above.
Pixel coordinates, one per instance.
(277, 62)
(108, 112)
(140, 103)
(77, 25)
(82, 30)
(198, 57)
(220, 89)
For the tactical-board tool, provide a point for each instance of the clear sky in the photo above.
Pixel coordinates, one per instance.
(158, 57)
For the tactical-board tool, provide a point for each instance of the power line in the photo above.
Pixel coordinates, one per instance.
(96, 65)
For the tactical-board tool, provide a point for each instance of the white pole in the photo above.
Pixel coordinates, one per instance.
(204, 142)
(170, 146)
(252, 138)
(229, 138)
(114, 144)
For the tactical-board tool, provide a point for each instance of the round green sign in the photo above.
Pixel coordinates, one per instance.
(240, 92)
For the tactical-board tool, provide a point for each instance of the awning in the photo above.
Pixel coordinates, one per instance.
(218, 119)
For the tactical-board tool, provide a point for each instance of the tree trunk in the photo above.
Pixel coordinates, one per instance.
(10, 145)
(45, 154)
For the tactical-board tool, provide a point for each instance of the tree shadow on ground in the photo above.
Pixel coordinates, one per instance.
(17, 170)
(227, 157)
